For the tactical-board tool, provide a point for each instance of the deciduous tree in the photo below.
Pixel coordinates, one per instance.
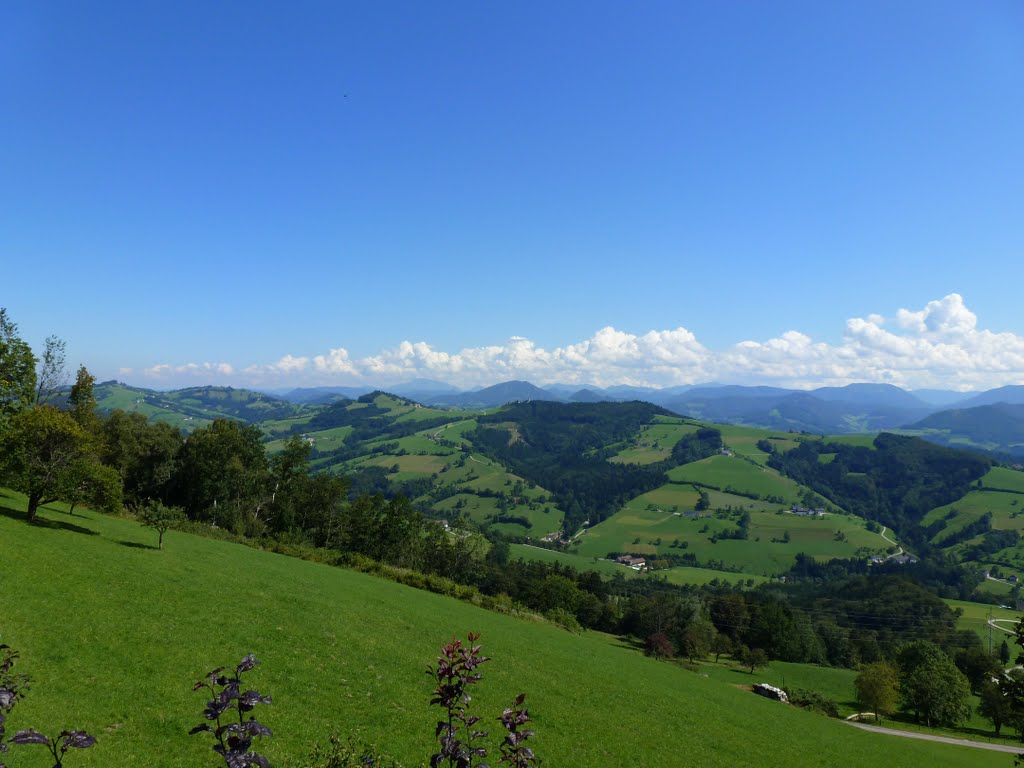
(931, 686)
(753, 658)
(996, 705)
(222, 476)
(51, 376)
(45, 452)
(877, 687)
(160, 518)
(17, 370)
(144, 454)
(82, 400)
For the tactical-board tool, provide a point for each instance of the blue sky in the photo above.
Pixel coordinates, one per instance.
(657, 192)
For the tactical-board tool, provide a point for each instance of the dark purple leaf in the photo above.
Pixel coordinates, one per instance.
(254, 728)
(77, 739)
(29, 737)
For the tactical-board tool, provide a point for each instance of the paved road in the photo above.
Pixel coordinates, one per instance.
(930, 737)
(899, 551)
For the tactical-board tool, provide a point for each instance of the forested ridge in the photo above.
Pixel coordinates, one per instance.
(894, 483)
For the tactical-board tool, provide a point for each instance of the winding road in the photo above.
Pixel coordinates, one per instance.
(898, 547)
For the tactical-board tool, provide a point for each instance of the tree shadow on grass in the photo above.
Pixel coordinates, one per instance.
(631, 643)
(42, 522)
(137, 545)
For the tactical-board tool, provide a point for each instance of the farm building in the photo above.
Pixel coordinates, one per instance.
(635, 563)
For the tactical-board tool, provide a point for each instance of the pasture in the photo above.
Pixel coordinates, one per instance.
(773, 541)
(116, 633)
(655, 441)
(733, 472)
(974, 617)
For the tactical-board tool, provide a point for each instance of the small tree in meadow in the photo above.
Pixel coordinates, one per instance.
(753, 658)
(161, 518)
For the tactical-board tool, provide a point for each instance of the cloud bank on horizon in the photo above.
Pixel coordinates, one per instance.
(938, 346)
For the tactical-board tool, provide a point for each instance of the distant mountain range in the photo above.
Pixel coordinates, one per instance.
(998, 427)
(991, 421)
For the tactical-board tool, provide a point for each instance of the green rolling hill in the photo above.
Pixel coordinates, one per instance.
(344, 653)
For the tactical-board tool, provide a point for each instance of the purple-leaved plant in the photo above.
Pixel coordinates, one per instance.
(59, 745)
(457, 734)
(233, 740)
(13, 688)
(513, 747)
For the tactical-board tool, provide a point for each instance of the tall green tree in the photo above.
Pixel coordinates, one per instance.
(82, 400)
(17, 370)
(931, 686)
(996, 705)
(877, 688)
(45, 453)
(223, 477)
(145, 455)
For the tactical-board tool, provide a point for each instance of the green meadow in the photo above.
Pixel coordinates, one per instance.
(649, 529)
(724, 472)
(655, 441)
(677, 575)
(1001, 493)
(115, 632)
(743, 440)
(600, 565)
(975, 616)
(831, 682)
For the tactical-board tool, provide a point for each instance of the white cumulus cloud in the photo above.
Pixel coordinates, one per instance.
(939, 345)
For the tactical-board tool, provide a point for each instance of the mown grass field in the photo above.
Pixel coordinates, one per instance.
(284, 426)
(832, 682)
(429, 453)
(600, 565)
(1007, 507)
(743, 440)
(115, 632)
(323, 440)
(650, 529)
(678, 575)
(725, 472)
(974, 616)
(655, 441)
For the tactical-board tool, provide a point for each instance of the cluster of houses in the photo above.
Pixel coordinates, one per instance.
(901, 559)
(807, 511)
(1011, 579)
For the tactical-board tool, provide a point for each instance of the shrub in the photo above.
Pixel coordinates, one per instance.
(812, 700)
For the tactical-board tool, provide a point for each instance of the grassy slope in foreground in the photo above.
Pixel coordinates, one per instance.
(114, 634)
